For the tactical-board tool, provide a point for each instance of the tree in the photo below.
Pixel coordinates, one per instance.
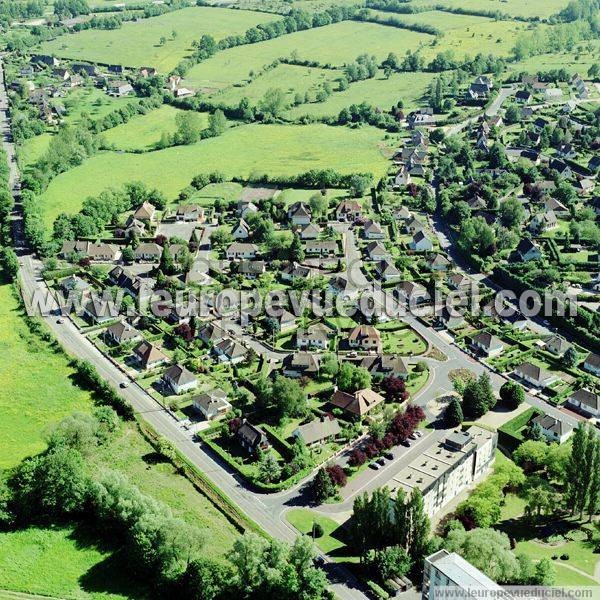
(419, 526)
(268, 468)
(167, 264)
(512, 114)
(531, 455)
(570, 357)
(351, 378)
(476, 236)
(394, 388)
(512, 393)
(392, 562)
(478, 397)
(512, 213)
(273, 103)
(454, 413)
(486, 549)
(309, 582)
(318, 204)
(217, 123)
(322, 487)
(329, 365)
(288, 398)
(359, 184)
(296, 249)
(545, 573)
(207, 580)
(189, 126)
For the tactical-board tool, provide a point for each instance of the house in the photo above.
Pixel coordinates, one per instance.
(118, 89)
(556, 345)
(173, 82)
(377, 252)
(592, 363)
(553, 429)
(252, 438)
(96, 252)
(84, 69)
(148, 355)
(540, 123)
(386, 270)
(189, 213)
(534, 375)
(145, 212)
(179, 379)
(527, 250)
(183, 92)
(241, 231)
(458, 281)
(132, 227)
(121, 333)
(365, 337)
(566, 151)
(310, 231)
(299, 214)
(240, 250)
(318, 431)
(403, 214)
(245, 207)
(348, 210)
(586, 402)
(373, 230)
(296, 271)
(562, 168)
(212, 405)
(543, 221)
(251, 269)
(301, 364)
(526, 112)
(74, 283)
(211, 333)
(487, 344)
(45, 59)
(594, 164)
(321, 247)
(523, 97)
(229, 351)
(148, 252)
(133, 285)
(421, 118)
(450, 320)
(315, 336)
(62, 74)
(285, 320)
(478, 92)
(439, 263)
(357, 404)
(420, 243)
(557, 207)
(413, 225)
(384, 364)
(100, 311)
(412, 293)
(584, 186)
(341, 286)
(146, 72)
(403, 176)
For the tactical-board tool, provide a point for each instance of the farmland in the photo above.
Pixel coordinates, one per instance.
(444, 21)
(44, 394)
(139, 44)
(277, 150)
(516, 8)
(573, 62)
(382, 92)
(143, 132)
(333, 44)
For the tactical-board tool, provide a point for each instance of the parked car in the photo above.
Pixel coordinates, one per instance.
(374, 466)
(418, 433)
(388, 455)
(405, 443)
(381, 461)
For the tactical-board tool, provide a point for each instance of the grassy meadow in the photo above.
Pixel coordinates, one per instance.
(335, 44)
(138, 44)
(381, 92)
(291, 79)
(444, 21)
(41, 396)
(92, 103)
(278, 150)
(516, 8)
(143, 132)
(578, 61)
(32, 149)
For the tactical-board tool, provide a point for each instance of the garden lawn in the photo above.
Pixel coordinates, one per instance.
(291, 79)
(517, 8)
(332, 542)
(137, 44)
(90, 102)
(568, 577)
(581, 554)
(406, 342)
(35, 386)
(277, 150)
(335, 44)
(62, 562)
(145, 131)
(411, 88)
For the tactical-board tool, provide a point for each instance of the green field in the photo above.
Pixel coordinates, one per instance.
(333, 44)
(143, 132)
(42, 396)
(32, 149)
(62, 562)
(274, 149)
(380, 92)
(518, 8)
(444, 21)
(289, 78)
(486, 36)
(138, 44)
(91, 103)
(578, 61)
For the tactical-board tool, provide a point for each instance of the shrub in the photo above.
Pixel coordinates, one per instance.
(317, 530)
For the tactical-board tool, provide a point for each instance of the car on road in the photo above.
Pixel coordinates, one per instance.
(124, 384)
(60, 321)
(374, 466)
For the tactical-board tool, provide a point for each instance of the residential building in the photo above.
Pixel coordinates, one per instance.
(120, 89)
(121, 333)
(487, 344)
(592, 363)
(357, 404)
(377, 252)
(420, 243)
(445, 569)
(99, 311)
(321, 247)
(365, 337)
(211, 333)
(148, 252)
(251, 269)
(553, 429)
(252, 438)
(229, 351)
(527, 250)
(318, 431)
(412, 293)
(383, 364)
(301, 364)
(449, 467)
(189, 213)
(240, 250)
(145, 212)
(386, 270)
(310, 231)
(439, 263)
(180, 379)
(534, 375)
(315, 336)
(241, 231)
(586, 402)
(212, 404)
(299, 214)
(341, 286)
(348, 210)
(556, 345)
(373, 230)
(148, 355)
